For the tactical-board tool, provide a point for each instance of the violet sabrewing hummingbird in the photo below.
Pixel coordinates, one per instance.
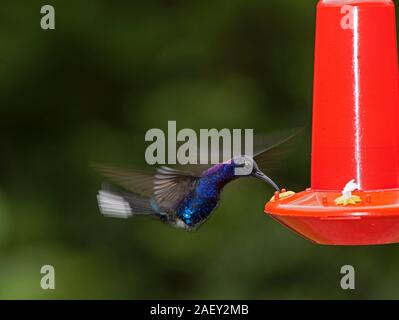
(181, 198)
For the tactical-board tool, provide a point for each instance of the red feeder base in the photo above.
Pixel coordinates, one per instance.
(355, 134)
(315, 216)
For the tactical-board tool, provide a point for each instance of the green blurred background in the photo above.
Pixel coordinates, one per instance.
(89, 91)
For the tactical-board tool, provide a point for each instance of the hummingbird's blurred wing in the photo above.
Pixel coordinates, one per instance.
(167, 186)
(268, 150)
(137, 181)
(172, 186)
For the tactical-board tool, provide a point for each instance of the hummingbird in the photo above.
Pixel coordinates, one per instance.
(183, 199)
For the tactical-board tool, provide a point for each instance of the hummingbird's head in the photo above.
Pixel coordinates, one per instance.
(247, 166)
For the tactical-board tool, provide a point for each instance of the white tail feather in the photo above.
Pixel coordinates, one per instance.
(112, 205)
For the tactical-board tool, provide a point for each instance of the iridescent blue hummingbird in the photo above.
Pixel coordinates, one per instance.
(184, 199)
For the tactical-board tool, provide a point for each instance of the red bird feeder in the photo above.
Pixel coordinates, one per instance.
(355, 130)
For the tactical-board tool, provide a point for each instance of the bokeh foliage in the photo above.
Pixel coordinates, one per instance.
(89, 91)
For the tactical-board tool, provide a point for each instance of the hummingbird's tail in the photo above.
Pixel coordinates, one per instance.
(122, 204)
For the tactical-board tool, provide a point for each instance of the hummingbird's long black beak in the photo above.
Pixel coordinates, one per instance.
(260, 175)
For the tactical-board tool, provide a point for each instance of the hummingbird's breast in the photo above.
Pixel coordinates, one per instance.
(202, 201)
